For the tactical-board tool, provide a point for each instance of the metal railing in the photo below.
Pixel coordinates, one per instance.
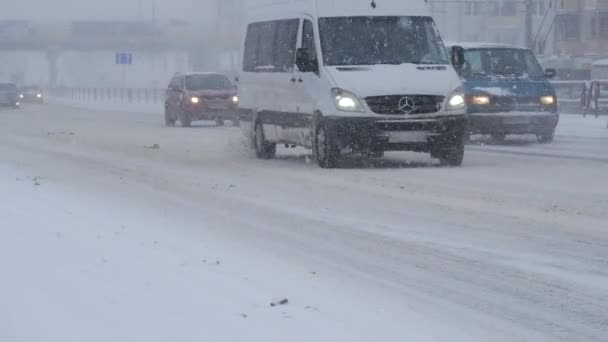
(111, 95)
(584, 97)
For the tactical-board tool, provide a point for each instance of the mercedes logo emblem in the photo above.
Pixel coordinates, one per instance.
(407, 105)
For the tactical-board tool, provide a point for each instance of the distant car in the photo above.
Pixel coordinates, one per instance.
(9, 95)
(507, 92)
(200, 96)
(31, 94)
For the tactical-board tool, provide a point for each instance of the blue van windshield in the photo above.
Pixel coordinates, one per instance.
(505, 62)
(380, 40)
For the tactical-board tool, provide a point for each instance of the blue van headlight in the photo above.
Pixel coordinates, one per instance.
(480, 100)
(547, 100)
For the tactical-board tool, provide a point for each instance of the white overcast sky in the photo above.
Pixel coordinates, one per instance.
(100, 9)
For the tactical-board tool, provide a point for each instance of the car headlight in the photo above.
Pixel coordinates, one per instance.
(235, 99)
(480, 100)
(456, 100)
(194, 100)
(38, 95)
(20, 96)
(346, 101)
(547, 100)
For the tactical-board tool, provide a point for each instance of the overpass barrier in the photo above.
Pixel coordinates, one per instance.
(582, 97)
(127, 96)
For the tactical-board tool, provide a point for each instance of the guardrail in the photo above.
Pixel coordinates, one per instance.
(584, 97)
(111, 95)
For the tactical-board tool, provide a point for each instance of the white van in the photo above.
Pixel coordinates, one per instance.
(349, 77)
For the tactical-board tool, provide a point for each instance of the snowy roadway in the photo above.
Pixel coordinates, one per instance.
(115, 228)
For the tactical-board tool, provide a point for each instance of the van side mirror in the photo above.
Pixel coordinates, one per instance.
(550, 73)
(458, 57)
(304, 62)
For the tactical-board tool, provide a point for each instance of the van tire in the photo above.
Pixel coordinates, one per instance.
(499, 137)
(452, 156)
(185, 119)
(545, 138)
(169, 119)
(326, 151)
(450, 150)
(263, 148)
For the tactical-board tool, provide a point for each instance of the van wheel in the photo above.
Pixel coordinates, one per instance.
(326, 150)
(169, 119)
(185, 119)
(499, 137)
(450, 152)
(263, 148)
(219, 121)
(545, 138)
(452, 156)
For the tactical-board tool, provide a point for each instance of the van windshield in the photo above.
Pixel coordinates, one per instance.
(380, 40)
(506, 62)
(207, 82)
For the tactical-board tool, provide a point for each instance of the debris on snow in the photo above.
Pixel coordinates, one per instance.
(284, 301)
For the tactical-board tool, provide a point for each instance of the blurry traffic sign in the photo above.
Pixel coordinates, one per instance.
(124, 58)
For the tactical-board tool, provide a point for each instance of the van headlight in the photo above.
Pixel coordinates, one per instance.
(480, 100)
(346, 101)
(456, 100)
(194, 100)
(547, 100)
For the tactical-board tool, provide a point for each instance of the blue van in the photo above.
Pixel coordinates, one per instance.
(507, 92)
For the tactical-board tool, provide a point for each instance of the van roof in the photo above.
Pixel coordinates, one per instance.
(481, 45)
(269, 9)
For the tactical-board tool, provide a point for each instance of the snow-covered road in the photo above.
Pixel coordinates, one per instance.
(106, 237)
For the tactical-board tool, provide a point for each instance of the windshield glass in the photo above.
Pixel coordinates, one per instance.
(7, 86)
(502, 62)
(380, 40)
(207, 82)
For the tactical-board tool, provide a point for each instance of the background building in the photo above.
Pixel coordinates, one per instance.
(582, 28)
(497, 21)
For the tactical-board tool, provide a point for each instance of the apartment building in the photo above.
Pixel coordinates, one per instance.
(499, 21)
(581, 28)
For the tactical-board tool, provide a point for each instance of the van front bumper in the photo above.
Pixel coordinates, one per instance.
(513, 123)
(361, 135)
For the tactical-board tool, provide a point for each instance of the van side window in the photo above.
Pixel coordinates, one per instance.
(308, 40)
(265, 59)
(285, 45)
(252, 43)
(271, 46)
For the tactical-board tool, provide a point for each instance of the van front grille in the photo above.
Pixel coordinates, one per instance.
(405, 104)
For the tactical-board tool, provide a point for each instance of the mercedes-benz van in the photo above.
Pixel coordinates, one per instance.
(346, 77)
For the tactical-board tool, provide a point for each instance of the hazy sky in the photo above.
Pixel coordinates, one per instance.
(98, 9)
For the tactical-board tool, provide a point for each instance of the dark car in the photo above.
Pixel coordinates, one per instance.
(507, 92)
(200, 96)
(9, 95)
(31, 94)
